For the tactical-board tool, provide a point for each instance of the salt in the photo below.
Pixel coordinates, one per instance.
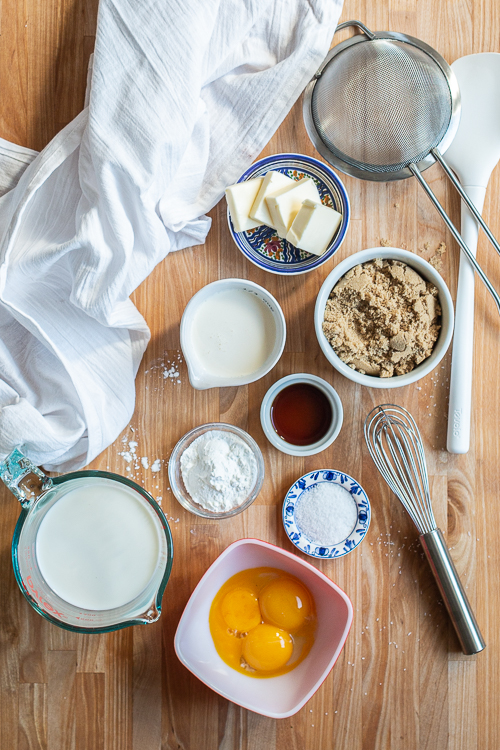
(326, 513)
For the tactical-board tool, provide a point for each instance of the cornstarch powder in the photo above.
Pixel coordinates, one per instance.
(218, 470)
(326, 513)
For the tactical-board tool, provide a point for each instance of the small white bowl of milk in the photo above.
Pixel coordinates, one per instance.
(232, 333)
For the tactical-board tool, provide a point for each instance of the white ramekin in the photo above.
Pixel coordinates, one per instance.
(301, 450)
(429, 274)
(198, 376)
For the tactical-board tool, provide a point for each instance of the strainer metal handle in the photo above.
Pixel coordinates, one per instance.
(360, 25)
(456, 234)
(384, 106)
(470, 205)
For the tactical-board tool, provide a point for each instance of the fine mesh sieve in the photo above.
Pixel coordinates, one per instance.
(373, 109)
(383, 107)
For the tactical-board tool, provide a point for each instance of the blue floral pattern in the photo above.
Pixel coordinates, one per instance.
(305, 483)
(263, 246)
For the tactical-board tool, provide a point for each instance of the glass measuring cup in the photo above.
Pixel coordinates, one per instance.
(37, 494)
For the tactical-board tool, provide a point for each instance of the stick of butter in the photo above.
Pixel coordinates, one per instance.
(240, 198)
(313, 227)
(285, 204)
(272, 183)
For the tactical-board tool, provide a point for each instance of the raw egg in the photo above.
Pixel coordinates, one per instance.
(267, 648)
(240, 609)
(285, 603)
(262, 622)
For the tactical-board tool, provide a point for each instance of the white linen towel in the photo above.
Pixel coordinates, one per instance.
(184, 95)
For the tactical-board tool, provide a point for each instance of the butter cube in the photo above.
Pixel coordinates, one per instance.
(313, 227)
(240, 198)
(285, 204)
(272, 183)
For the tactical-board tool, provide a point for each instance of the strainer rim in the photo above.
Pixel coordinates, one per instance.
(380, 175)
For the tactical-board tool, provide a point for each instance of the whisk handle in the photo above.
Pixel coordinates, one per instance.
(453, 592)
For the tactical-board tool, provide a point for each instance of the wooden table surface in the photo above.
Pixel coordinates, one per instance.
(401, 681)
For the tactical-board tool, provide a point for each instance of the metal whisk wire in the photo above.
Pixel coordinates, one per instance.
(396, 447)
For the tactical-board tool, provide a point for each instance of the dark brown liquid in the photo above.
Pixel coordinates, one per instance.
(301, 414)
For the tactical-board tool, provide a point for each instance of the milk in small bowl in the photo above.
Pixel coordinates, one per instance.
(92, 551)
(232, 333)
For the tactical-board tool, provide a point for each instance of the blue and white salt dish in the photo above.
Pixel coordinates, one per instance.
(262, 246)
(298, 538)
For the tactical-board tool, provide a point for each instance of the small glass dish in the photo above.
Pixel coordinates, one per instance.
(175, 476)
(309, 546)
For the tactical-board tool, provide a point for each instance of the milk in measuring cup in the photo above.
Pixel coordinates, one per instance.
(98, 546)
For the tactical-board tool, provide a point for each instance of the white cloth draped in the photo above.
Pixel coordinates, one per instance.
(184, 95)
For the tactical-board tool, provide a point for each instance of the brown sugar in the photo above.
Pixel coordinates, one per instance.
(382, 318)
(437, 259)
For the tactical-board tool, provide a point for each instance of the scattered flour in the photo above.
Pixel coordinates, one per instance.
(168, 368)
(137, 464)
(218, 470)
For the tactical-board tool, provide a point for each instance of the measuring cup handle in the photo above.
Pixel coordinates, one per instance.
(25, 480)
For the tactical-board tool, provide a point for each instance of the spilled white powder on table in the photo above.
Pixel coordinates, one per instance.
(137, 465)
(218, 470)
(169, 368)
(326, 513)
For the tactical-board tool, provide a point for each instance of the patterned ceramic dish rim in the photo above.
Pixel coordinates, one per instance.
(309, 165)
(298, 538)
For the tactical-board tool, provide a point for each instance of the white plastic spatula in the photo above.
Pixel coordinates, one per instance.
(472, 155)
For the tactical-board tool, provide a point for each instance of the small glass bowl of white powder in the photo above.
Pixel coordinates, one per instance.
(326, 513)
(216, 470)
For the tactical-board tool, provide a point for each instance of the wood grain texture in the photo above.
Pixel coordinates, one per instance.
(401, 682)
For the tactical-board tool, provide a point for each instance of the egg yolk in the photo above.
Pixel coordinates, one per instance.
(285, 603)
(240, 610)
(267, 648)
(255, 643)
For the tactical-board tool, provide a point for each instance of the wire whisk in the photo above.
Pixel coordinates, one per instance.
(396, 447)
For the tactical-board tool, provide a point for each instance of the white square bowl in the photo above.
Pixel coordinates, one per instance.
(277, 697)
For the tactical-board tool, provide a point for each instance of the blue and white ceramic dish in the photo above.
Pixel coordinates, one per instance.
(303, 484)
(262, 245)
